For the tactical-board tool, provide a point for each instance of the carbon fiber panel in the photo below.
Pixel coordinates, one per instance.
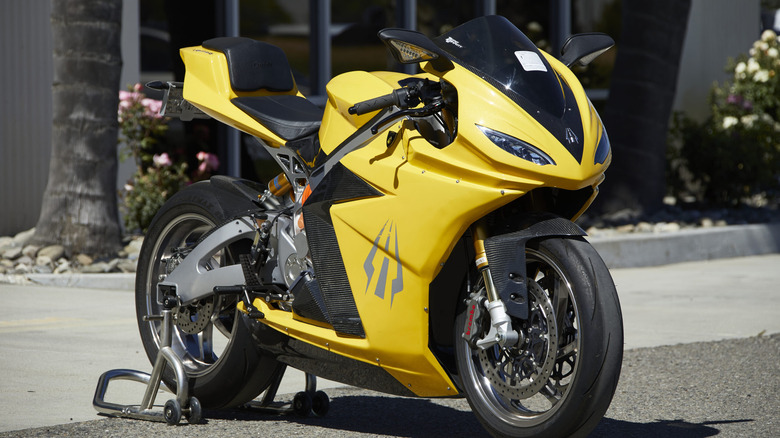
(506, 258)
(338, 185)
(308, 301)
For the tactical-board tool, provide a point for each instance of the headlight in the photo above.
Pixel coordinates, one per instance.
(517, 147)
(602, 149)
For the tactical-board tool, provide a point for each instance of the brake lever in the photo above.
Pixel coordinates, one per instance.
(427, 110)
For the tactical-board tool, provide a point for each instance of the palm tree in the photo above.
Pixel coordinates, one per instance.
(640, 103)
(79, 209)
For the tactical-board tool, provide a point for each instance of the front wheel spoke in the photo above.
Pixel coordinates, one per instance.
(552, 393)
(560, 299)
(567, 350)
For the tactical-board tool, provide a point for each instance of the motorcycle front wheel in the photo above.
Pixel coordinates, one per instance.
(560, 379)
(212, 337)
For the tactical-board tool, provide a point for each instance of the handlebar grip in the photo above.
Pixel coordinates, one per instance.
(380, 102)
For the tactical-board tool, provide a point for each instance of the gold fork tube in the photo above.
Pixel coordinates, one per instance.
(479, 231)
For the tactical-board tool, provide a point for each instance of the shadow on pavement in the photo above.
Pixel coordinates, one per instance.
(659, 428)
(380, 415)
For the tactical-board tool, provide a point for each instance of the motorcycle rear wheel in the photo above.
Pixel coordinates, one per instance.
(213, 338)
(561, 380)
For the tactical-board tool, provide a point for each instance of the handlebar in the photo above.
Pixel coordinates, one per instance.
(398, 97)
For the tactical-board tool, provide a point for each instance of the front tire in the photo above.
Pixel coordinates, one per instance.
(212, 338)
(561, 380)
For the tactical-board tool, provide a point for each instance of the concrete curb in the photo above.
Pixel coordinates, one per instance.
(619, 251)
(640, 250)
(89, 281)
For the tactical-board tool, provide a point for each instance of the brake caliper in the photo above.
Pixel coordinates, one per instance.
(472, 329)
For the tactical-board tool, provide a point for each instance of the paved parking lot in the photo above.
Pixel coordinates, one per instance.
(55, 343)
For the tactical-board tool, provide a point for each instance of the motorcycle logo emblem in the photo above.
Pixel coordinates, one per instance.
(570, 136)
(397, 284)
(454, 42)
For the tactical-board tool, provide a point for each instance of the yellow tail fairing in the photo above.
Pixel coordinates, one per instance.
(207, 86)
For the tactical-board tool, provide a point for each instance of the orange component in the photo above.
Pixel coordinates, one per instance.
(280, 185)
(304, 197)
(306, 193)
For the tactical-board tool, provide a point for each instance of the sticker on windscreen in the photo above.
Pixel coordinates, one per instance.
(531, 61)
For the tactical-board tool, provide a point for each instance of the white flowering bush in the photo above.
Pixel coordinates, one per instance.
(734, 154)
(158, 175)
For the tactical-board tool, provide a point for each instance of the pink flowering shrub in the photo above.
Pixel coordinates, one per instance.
(159, 173)
(734, 155)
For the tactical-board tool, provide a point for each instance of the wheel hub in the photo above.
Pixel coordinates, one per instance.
(522, 371)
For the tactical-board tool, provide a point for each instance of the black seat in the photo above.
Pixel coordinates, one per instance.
(290, 117)
(254, 65)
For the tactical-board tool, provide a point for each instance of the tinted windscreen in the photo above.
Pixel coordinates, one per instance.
(497, 51)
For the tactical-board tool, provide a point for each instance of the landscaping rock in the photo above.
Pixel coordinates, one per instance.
(24, 260)
(83, 259)
(95, 268)
(23, 237)
(52, 251)
(63, 268)
(21, 268)
(30, 250)
(12, 253)
(6, 242)
(42, 269)
(127, 266)
(43, 260)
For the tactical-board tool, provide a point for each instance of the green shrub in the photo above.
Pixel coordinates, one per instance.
(735, 153)
(158, 174)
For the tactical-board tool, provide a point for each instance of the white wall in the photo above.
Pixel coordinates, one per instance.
(25, 111)
(26, 108)
(717, 30)
(131, 72)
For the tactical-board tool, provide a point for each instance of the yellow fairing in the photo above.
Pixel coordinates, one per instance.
(207, 86)
(394, 245)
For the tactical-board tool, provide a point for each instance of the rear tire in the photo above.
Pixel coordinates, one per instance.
(220, 357)
(573, 342)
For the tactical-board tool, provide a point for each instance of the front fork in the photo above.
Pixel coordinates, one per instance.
(501, 331)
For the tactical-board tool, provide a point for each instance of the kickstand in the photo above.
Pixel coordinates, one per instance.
(309, 401)
(174, 408)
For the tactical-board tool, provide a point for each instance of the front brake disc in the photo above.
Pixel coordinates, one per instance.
(520, 372)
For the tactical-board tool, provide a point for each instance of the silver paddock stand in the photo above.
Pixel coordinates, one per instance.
(174, 408)
(304, 402)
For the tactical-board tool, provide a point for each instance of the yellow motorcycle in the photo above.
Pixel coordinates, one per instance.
(418, 240)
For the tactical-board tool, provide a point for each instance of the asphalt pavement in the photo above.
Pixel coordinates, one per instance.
(702, 359)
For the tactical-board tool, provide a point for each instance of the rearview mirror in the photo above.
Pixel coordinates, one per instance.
(583, 48)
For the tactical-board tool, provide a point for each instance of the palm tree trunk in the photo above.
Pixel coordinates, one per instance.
(79, 208)
(640, 103)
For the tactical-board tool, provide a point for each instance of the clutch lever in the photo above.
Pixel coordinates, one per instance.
(427, 110)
